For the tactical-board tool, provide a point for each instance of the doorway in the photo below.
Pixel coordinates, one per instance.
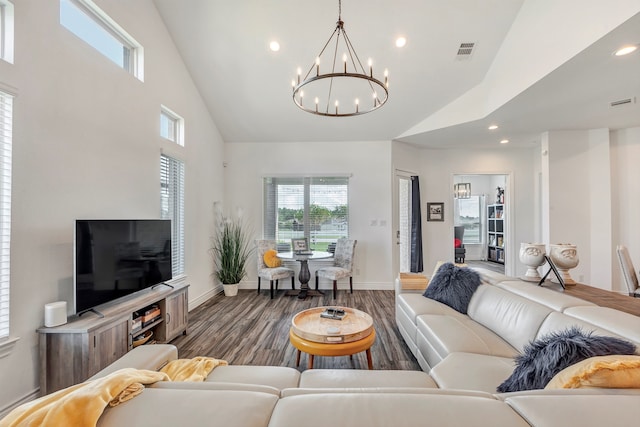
(402, 221)
(484, 215)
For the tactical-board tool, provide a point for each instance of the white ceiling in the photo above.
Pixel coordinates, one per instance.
(247, 88)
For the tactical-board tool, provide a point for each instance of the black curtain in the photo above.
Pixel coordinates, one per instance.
(416, 227)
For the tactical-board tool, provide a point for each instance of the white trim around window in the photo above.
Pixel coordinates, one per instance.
(6, 30)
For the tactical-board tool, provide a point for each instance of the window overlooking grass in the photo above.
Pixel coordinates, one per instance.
(312, 207)
(467, 213)
(87, 21)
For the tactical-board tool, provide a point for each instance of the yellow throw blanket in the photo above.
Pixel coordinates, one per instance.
(195, 369)
(82, 404)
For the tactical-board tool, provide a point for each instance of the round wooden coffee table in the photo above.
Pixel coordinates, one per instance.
(319, 336)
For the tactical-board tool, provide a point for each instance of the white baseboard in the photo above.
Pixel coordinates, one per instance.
(24, 399)
(286, 284)
(204, 297)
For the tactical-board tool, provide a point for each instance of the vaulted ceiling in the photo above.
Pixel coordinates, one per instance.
(537, 65)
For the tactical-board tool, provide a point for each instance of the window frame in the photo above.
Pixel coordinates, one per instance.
(6, 31)
(177, 135)
(271, 209)
(6, 128)
(172, 184)
(133, 59)
(456, 220)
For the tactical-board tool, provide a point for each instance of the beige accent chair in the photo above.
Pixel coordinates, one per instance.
(628, 272)
(342, 264)
(271, 274)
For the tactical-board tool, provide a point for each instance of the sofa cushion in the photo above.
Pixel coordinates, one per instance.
(280, 377)
(613, 371)
(438, 336)
(192, 408)
(392, 409)
(469, 371)
(347, 378)
(576, 410)
(619, 323)
(544, 358)
(545, 296)
(514, 318)
(453, 286)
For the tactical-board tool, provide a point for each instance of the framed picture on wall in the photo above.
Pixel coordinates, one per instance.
(435, 211)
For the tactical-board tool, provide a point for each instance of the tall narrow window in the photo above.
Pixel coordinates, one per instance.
(467, 214)
(312, 207)
(87, 21)
(171, 126)
(172, 207)
(6, 30)
(6, 120)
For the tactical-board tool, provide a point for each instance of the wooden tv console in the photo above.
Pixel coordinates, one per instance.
(73, 352)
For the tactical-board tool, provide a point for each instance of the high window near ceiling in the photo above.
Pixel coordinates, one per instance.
(172, 207)
(171, 126)
(6, 30)
(313, 207)
(91, 24)
(6, 120)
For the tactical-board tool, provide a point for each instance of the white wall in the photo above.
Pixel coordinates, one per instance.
(369, 195)
(86, 145)
(625, 199)
(437, 170)
(579, 196)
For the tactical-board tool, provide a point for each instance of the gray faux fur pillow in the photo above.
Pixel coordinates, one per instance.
(453, 286)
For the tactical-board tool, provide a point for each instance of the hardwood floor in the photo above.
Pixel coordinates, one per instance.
(251, 329)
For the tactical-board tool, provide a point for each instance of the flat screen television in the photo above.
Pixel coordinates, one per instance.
(115, 258)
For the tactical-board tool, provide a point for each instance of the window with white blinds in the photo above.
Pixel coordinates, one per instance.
(172, 207)
(6, 120)
(313, 207)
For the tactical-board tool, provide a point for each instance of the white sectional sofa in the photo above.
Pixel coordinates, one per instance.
(476, 351)
(464, 358)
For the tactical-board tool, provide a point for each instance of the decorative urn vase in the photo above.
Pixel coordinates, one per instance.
(532, 255)
(565, 257)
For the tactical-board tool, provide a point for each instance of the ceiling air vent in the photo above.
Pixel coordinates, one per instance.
(622, 102)
(465, 50)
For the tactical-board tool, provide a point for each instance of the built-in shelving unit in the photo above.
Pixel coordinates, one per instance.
(495, 233)
(73, 352)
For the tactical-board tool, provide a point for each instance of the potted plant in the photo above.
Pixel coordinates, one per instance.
(231, 248)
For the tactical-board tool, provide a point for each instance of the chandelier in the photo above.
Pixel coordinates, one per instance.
(462, 190)
(335, 89)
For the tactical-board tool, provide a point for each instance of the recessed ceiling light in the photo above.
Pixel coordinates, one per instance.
(626, 50)
(274, 46)
(504, 141)
(401, 41)
(493, 127)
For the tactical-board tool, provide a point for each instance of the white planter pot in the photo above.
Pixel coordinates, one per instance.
(565, 257)
(532, 255)
(230, 290)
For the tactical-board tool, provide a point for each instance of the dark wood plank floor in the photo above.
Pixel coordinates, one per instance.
(251, 329)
